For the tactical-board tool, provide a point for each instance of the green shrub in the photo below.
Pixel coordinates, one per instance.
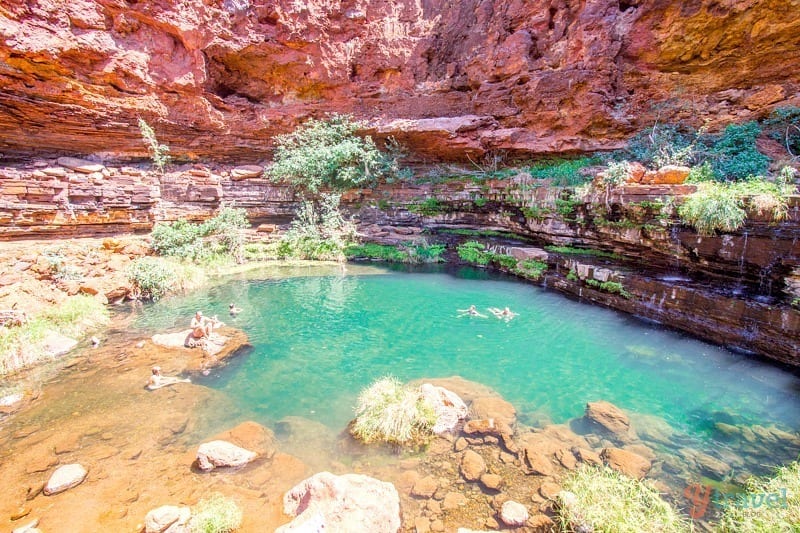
(216, 514)
(531, 268)
(218, 236)
(663, 145)
(480, 201)
(427, 208)
(617, 173)
(155, 277)
(562, 172)
(613, 287)
(700, 173)
(566, 207)
(713, 207)
(159, 153)
(536, 212)
(572, 276)
(752, 519)
(319, 231)
(609, 502)
(783, 125)
(721, 206)
(371, 250)
(388, 411)
(328, 153)
(474, 252)
(734, 155)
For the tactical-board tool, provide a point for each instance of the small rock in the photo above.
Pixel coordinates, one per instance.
(541, 523)
(437, 525)
(447, 405)
(461, 444)
(536, 463)
(587, 456)
(453, 500)
(219, 453)
(64, 478)
(425, 487)
(472, 466)
(513, 514)
(167, 518)
(566, 458)
(492, 481)
(549, 490)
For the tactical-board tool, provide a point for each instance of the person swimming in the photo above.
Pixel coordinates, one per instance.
(504, 314)
(233, 310)
(157, 381)
(470, 311)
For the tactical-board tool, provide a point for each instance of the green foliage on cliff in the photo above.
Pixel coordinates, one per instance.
(329, 154)
(474, 252)
(319, 231)
(723, 206)
(562, 172)
(155, 277)
(531, 269)
(733, 154)
(427, 208)
(607, 501)
(220, 236)
(389, 411)
(663, 144)
(159, 153)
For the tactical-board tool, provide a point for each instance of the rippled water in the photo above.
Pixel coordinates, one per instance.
(320, 337)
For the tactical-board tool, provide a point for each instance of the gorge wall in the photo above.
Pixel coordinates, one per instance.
(218, 78)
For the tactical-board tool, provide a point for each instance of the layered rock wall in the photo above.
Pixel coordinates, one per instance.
(218, 78)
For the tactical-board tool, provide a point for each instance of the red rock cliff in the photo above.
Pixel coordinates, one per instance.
(218, 78)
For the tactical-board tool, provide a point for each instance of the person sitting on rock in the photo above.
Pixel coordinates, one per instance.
(233, 310)
(201, 326)
(157, 381)
(471, 311)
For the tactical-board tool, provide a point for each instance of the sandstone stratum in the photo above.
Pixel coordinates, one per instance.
(450, 80)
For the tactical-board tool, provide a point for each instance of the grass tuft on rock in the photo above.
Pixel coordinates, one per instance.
(216, 514)
(610, 502)
(737, 518)
(389, 411)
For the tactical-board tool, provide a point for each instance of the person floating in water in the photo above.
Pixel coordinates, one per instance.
(157, 381)
(233, 310)
(504, 314)
(471, 311)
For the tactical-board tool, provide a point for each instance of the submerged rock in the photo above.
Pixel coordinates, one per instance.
(351, 502)
(64, 478)
(220, 453)
(168, 519)
(494, 407)
(610, 417)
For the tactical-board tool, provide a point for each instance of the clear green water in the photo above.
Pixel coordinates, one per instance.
(319, 339)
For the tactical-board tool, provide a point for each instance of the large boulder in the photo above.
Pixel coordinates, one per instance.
(494, 407)
(625, 462)
(168, 519)
(64, 478)
(611, 418)
(220, 453)
(449, 408)
(342, 504)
